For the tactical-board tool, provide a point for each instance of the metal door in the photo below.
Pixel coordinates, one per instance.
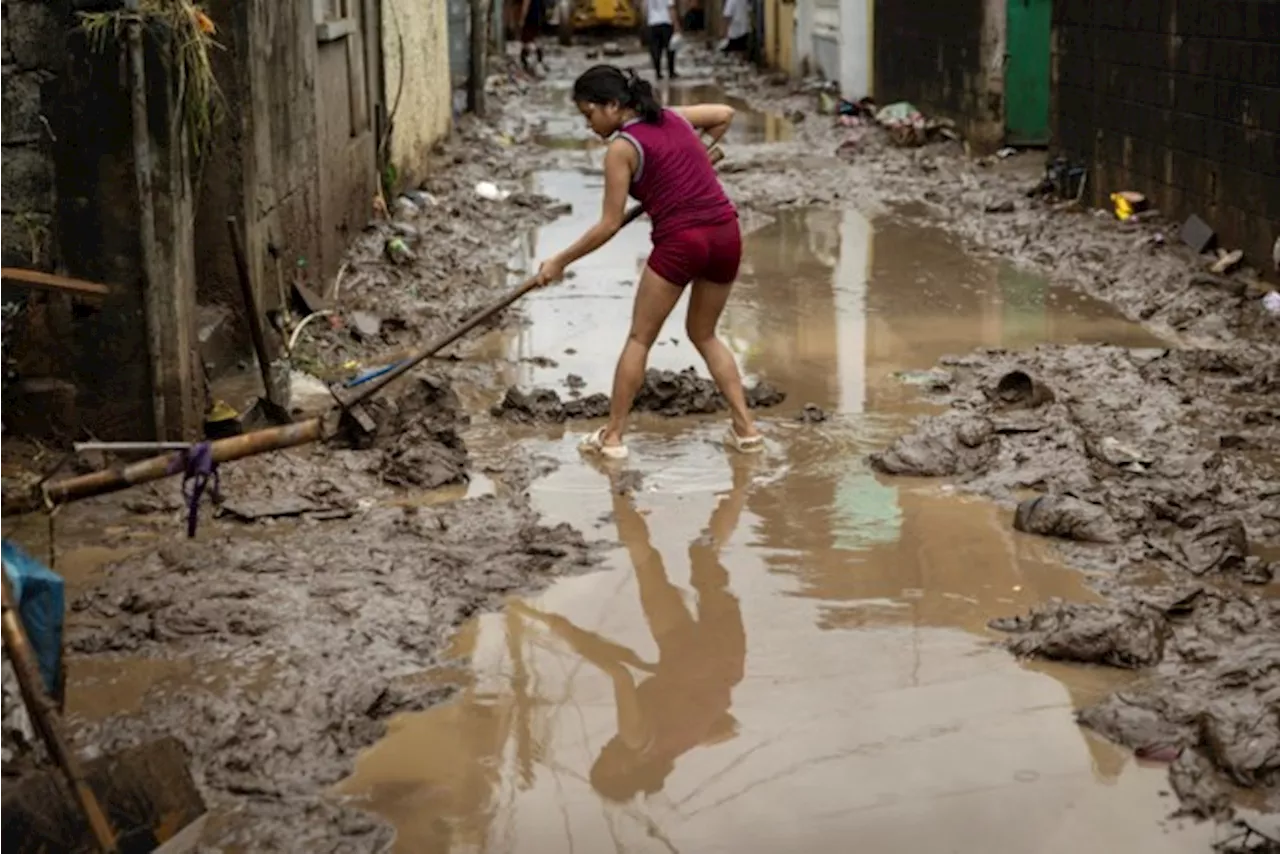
(1026, 72)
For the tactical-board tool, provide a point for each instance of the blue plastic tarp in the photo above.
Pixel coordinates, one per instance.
(41, 600)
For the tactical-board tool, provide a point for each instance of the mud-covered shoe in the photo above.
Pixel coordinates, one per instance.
(593, 443)
(743, 444)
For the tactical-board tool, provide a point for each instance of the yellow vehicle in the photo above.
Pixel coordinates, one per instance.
(576, 15)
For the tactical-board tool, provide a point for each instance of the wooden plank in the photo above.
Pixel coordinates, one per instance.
(53, 282)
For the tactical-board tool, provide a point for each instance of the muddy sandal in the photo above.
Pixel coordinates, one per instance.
(743, 445)
(593, 443)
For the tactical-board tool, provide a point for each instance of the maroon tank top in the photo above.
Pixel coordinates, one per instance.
(675, 182)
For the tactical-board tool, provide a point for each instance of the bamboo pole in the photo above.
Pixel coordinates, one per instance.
(155, 468)
(44, 715)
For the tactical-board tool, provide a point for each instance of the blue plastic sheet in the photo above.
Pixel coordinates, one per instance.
(41, 600)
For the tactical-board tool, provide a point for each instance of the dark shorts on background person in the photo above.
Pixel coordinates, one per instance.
(531, 26)
(711, 252)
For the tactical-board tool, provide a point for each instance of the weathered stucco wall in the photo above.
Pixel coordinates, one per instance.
(945, 59)
(1179, 100)
(294, 161)
(415, 47)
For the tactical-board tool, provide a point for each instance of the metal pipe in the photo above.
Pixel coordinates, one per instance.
(142, 171)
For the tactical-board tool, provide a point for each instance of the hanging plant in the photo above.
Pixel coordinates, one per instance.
(190, 34)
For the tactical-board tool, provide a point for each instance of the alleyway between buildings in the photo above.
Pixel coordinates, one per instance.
(467, 638)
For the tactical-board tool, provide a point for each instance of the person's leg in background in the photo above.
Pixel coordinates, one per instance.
(659, 40)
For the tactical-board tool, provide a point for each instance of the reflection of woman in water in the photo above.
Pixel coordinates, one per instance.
(684, 701)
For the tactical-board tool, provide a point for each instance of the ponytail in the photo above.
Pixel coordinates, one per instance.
(643, 99)
(608, 84)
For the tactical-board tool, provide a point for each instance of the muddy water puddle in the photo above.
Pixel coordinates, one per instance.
(785, 652)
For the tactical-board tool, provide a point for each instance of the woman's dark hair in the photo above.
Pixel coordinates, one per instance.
(609, 84)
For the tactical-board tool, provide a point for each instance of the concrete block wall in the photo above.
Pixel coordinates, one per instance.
(1179, 100)
(32, 56)
(946, 59)
(70, 204)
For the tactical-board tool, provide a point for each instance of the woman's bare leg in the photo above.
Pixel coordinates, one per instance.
(706, 303)
(655, 297)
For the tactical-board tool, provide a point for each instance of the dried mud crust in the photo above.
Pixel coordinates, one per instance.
(667, 393)
(1149, 466)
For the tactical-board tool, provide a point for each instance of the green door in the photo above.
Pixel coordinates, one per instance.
(1026, 72)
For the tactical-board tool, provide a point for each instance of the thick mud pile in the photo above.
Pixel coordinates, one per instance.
(1155, 466)
(667, 393)
(416, 428)
(338, 618)
(312, 606)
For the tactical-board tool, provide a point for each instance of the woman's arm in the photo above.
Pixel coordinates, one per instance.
(711, 119)
(620, 163)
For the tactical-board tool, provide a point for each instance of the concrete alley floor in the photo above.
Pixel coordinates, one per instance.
(490, 644)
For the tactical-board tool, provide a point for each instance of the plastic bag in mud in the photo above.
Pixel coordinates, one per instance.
(41, 604)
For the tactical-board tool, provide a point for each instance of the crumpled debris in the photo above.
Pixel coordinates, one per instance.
(1216, 546)
(664, 393)
(908, 126)
(1129, 637)
(941, 445)
(1064, 516)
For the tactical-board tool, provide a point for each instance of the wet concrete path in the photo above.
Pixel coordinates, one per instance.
(784, 653)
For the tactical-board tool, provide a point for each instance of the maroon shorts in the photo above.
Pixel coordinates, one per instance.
(711, 252)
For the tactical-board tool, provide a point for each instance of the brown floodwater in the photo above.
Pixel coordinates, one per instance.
(785, 652)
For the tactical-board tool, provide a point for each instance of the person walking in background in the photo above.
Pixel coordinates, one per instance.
(532, 15)
(737, 18)
(661, 17)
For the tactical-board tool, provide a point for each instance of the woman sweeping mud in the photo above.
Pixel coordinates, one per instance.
(657, 156)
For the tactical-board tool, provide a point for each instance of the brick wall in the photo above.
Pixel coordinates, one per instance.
(1179, 100)
(946, 59)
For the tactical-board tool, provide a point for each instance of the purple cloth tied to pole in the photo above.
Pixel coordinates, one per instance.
(197, 467)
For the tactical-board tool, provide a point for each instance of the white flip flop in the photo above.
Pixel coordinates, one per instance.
(743, 445)
(593, 443)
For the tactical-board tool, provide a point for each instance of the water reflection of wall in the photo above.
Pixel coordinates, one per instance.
(807, 288)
